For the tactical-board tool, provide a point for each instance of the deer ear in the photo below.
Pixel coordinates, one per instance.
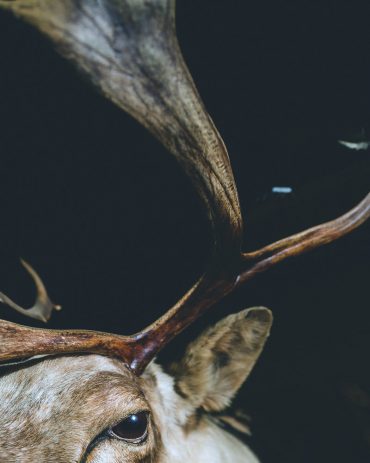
(217, 363)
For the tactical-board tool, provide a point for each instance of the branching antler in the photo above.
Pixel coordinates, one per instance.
(263, 259)
(130, 50)
(42, 308)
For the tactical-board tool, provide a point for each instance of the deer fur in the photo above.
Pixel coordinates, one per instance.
(63, 404)
(55, 409)
(60, 409)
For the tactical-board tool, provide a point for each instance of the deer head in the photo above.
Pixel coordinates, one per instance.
(89, 396)
(95, 409)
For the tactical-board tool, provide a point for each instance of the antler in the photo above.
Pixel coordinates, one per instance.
(130, 50)
(42, 308)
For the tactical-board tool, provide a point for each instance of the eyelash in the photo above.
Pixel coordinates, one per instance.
(109, 434)
(105, 435)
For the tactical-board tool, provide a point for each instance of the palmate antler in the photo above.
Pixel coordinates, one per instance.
(130, 50)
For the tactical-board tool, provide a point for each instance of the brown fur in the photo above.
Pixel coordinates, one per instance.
(218, 362)
(54, 408)
(51, 411)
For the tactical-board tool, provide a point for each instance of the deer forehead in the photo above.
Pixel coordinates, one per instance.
(61, 404)
(58, 397)
(53, 410)
(93, 387)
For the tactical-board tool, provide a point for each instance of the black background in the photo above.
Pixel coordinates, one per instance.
(111, 223)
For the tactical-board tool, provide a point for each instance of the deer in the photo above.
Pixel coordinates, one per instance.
(94, 397)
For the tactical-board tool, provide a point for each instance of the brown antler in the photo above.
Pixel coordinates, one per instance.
(129, 49)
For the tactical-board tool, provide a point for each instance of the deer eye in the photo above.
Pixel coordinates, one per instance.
(133, 429)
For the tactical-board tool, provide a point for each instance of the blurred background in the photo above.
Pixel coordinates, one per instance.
(105, 215)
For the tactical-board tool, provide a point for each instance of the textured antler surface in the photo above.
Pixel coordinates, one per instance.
(129, 49)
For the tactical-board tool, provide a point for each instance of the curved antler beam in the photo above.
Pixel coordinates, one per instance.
(213, 287)
(137, 351)
(130, 50)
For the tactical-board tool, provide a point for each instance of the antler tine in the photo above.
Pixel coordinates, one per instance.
(42, 308)
(129, 49)
(19, 342)
(268, 256)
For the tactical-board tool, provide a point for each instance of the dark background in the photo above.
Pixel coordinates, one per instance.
(111, 223)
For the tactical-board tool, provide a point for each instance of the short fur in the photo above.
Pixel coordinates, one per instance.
(58, 409)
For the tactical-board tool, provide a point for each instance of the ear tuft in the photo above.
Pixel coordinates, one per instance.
(217, 363)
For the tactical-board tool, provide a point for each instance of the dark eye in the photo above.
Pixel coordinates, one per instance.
(133, 429)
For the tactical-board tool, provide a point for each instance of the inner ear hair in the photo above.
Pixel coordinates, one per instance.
(217, 363)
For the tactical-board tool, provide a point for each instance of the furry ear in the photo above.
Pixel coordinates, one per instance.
(217, 363)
